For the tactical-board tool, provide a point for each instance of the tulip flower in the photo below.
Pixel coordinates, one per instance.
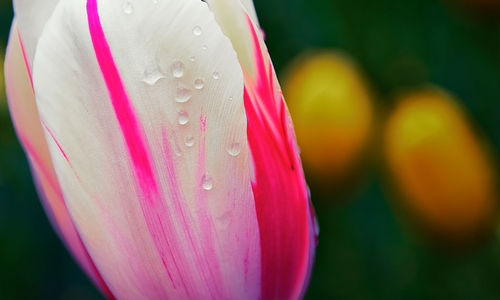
(161, 147)
(440, 166)
(332, 108)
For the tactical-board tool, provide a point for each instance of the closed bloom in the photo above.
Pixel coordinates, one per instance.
(161, 146)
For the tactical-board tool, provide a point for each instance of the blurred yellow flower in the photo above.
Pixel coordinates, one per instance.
(439, 164)
(331, 107)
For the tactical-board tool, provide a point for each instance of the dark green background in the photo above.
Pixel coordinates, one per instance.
(366, 250)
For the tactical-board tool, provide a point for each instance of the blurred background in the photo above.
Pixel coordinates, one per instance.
(396, 106)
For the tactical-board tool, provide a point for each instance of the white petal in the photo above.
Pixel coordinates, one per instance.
(250, 8)
(162, 206)
(31, 16)
(24, 114)
(232, 17)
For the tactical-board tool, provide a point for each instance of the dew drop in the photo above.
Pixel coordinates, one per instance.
(207, 182)
(192, 58)
(183, 95)
(216, 75)
(177, 69)
(177, 150)
(234, 149)
(230, 99)
(156, 1)
(204, 47)
(128, 8)
(152, 75)
(183, 118)
(189, 141)
(197, 30)
(198, 84)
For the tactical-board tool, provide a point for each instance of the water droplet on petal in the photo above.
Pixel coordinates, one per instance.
(198, 84)
(192, 58)
(189, 141)
(152, 75)
(183, 95)
(234, 149)
(207, 183)
(128, 8)
(216, 75)
(183, 118)
(204, 47)
(177, 69)
(230, 99)
(197, 30)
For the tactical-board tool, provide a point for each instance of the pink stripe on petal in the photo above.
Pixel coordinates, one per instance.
(25, 57)
(154, 210)
(51, 195)
(159, 220)
(123, 109)
(282, 206)
(56, 209)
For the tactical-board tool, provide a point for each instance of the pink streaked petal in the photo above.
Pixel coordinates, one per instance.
(53, 203)
(31, 18)
(281, 203)
(133, 185)
(27, 123)
(250, 8)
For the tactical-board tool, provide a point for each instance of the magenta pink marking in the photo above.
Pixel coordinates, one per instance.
(203, 251)
(203, 122)
(212, 271)
(281, 203)
(100, 280)
(43, 168)
(25, 57)
(154, 209)
(94, 272)
(123, 109)
(56, 142)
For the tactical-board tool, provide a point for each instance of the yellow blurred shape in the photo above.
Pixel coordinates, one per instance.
(332, 111)
(439, 164)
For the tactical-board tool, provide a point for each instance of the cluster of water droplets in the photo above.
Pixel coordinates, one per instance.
(184, 92)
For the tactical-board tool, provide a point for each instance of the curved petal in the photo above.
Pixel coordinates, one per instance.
(24, 114)
(250, 8)
(281, 203)
(142, 104)
(287, 253)
(231, 16)
(31, 16)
